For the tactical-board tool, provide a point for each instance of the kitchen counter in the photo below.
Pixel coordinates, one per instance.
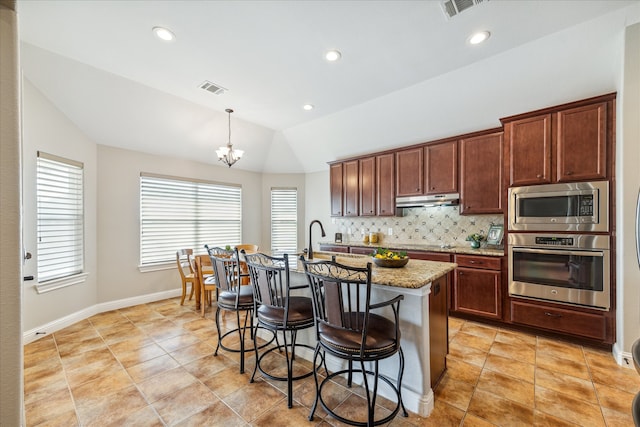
(415, 274)
(466, 249)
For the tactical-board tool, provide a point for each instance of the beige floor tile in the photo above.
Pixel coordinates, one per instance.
(101, 387)
(479, 342)
(152, 367)
(540, 419)
(185, 403)
(471, 420)
(572, 386)
(614, 398)
(514, 368)
(562, 365)
(135, 356)
(568, 408)
(519, 352)
(252, 400)
(461, 351)
(110, 409)
(46, 343)
(282, 416)
(560, 349)
(216, 415)
(179, 342)
(507, 387)
(455, 393)
(210, 365)
(192, 352)
(621, 378)
(166, 384)
(56, 405)
(461, 371)
(617, 419)
(479, 330)
(500, 411)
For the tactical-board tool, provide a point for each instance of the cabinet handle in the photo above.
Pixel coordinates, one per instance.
(568, 173)
(476, 262)
(538, 176)
(546, 313)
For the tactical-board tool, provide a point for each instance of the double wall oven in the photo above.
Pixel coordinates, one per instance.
(558, 243)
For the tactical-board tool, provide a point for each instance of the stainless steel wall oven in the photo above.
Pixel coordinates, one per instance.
(566, 268)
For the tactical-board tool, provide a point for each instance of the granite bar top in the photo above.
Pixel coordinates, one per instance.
(415, 274)
(467, 250)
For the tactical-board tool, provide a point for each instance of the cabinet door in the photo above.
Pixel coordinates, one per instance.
(409, 172)
(481, 174)
(441, 169)
(350, 183)
(477, 292)
(335, 188)
(438, 329)
(332, 248)
(385, 185)
(529, 150)
(581, 143)
(360, 250)
(368, 186)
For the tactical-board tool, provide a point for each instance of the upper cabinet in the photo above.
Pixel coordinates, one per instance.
(385, 185)
(441, 168)
(350, 188)
(481, 174)
(410, 172)
(560, 144)
(335, 187)
(368, 186)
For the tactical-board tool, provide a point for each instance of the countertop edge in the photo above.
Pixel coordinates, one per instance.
(456, 250)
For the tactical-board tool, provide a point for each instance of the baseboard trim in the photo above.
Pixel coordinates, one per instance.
(61, 323)
(623, 358)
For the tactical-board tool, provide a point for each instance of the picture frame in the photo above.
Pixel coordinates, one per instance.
(495, 234)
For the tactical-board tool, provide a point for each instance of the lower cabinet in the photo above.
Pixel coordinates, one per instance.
(360, 250)
(438, 329)
(335, 248)
(557, 319)
(477, 286)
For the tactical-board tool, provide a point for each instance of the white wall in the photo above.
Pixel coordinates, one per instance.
(317, 207)
(628, 277)
(47, 129)
(119, 218)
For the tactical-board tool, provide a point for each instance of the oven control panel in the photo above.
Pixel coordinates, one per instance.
(554, 241)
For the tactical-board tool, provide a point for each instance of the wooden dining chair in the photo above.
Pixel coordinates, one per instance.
(249, 249)
(204, 273)
(185, 268)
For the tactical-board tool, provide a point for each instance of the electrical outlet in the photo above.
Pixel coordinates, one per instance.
(390, 231)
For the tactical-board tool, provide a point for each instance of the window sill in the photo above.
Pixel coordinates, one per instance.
(156, 267)
(52, 285)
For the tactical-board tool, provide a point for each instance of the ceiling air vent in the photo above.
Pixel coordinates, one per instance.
(213, 88)
(453, 7)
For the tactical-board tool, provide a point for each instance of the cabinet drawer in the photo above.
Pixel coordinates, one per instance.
(331, 248)
(360, 250)
(559, 319)
(430, 256)
(474, 261)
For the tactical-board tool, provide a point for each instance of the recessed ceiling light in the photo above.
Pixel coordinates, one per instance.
(479, 37)
(164, 34)
(332, 55)
(308, 107)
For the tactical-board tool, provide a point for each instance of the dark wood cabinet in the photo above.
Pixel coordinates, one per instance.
(360, 250)
(385, 185)
(529, 147)
(560, 144)
(559, 319)
(335, 248)
(350, 188)
(367, 189)
(441, 168)
(581, 143)
(438, 329)
(477, 286)
(335, 187)
(410, 172)
(481, 174)
(430, 256)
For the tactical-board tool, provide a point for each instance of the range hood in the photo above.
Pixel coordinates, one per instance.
(427, 201)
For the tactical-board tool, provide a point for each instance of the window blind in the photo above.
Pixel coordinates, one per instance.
(181, 214)
(60, 217)
(284, 221)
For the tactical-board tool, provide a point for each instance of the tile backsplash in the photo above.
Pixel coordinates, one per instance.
(442, 225)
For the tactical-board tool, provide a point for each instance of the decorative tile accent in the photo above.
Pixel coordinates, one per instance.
(441, 225)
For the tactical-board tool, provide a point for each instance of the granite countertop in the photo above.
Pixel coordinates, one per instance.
(466, 250)
(415, 274)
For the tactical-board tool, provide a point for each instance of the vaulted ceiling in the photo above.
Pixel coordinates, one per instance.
(407, 73)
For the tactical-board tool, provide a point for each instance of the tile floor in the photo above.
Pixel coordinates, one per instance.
(153, 365)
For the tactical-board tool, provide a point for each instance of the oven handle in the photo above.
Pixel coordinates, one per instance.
(560, 252)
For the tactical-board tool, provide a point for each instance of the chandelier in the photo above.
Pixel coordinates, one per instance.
(227, 154)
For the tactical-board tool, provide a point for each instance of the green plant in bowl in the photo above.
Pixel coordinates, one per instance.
(391, 259)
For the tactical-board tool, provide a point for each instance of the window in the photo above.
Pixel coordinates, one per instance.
(178, 213)
(60, 217)
(284, 221)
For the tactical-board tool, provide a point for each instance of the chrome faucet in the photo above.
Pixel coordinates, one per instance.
(310, 253)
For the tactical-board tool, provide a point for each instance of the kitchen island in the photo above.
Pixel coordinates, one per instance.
(415, 282)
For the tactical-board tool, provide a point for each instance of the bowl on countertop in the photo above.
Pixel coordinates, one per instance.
(390, 263)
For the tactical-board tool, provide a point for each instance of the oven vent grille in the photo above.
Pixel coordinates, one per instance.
(452, 8)
(213, 88)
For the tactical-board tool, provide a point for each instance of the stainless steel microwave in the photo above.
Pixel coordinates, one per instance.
(573, 206)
